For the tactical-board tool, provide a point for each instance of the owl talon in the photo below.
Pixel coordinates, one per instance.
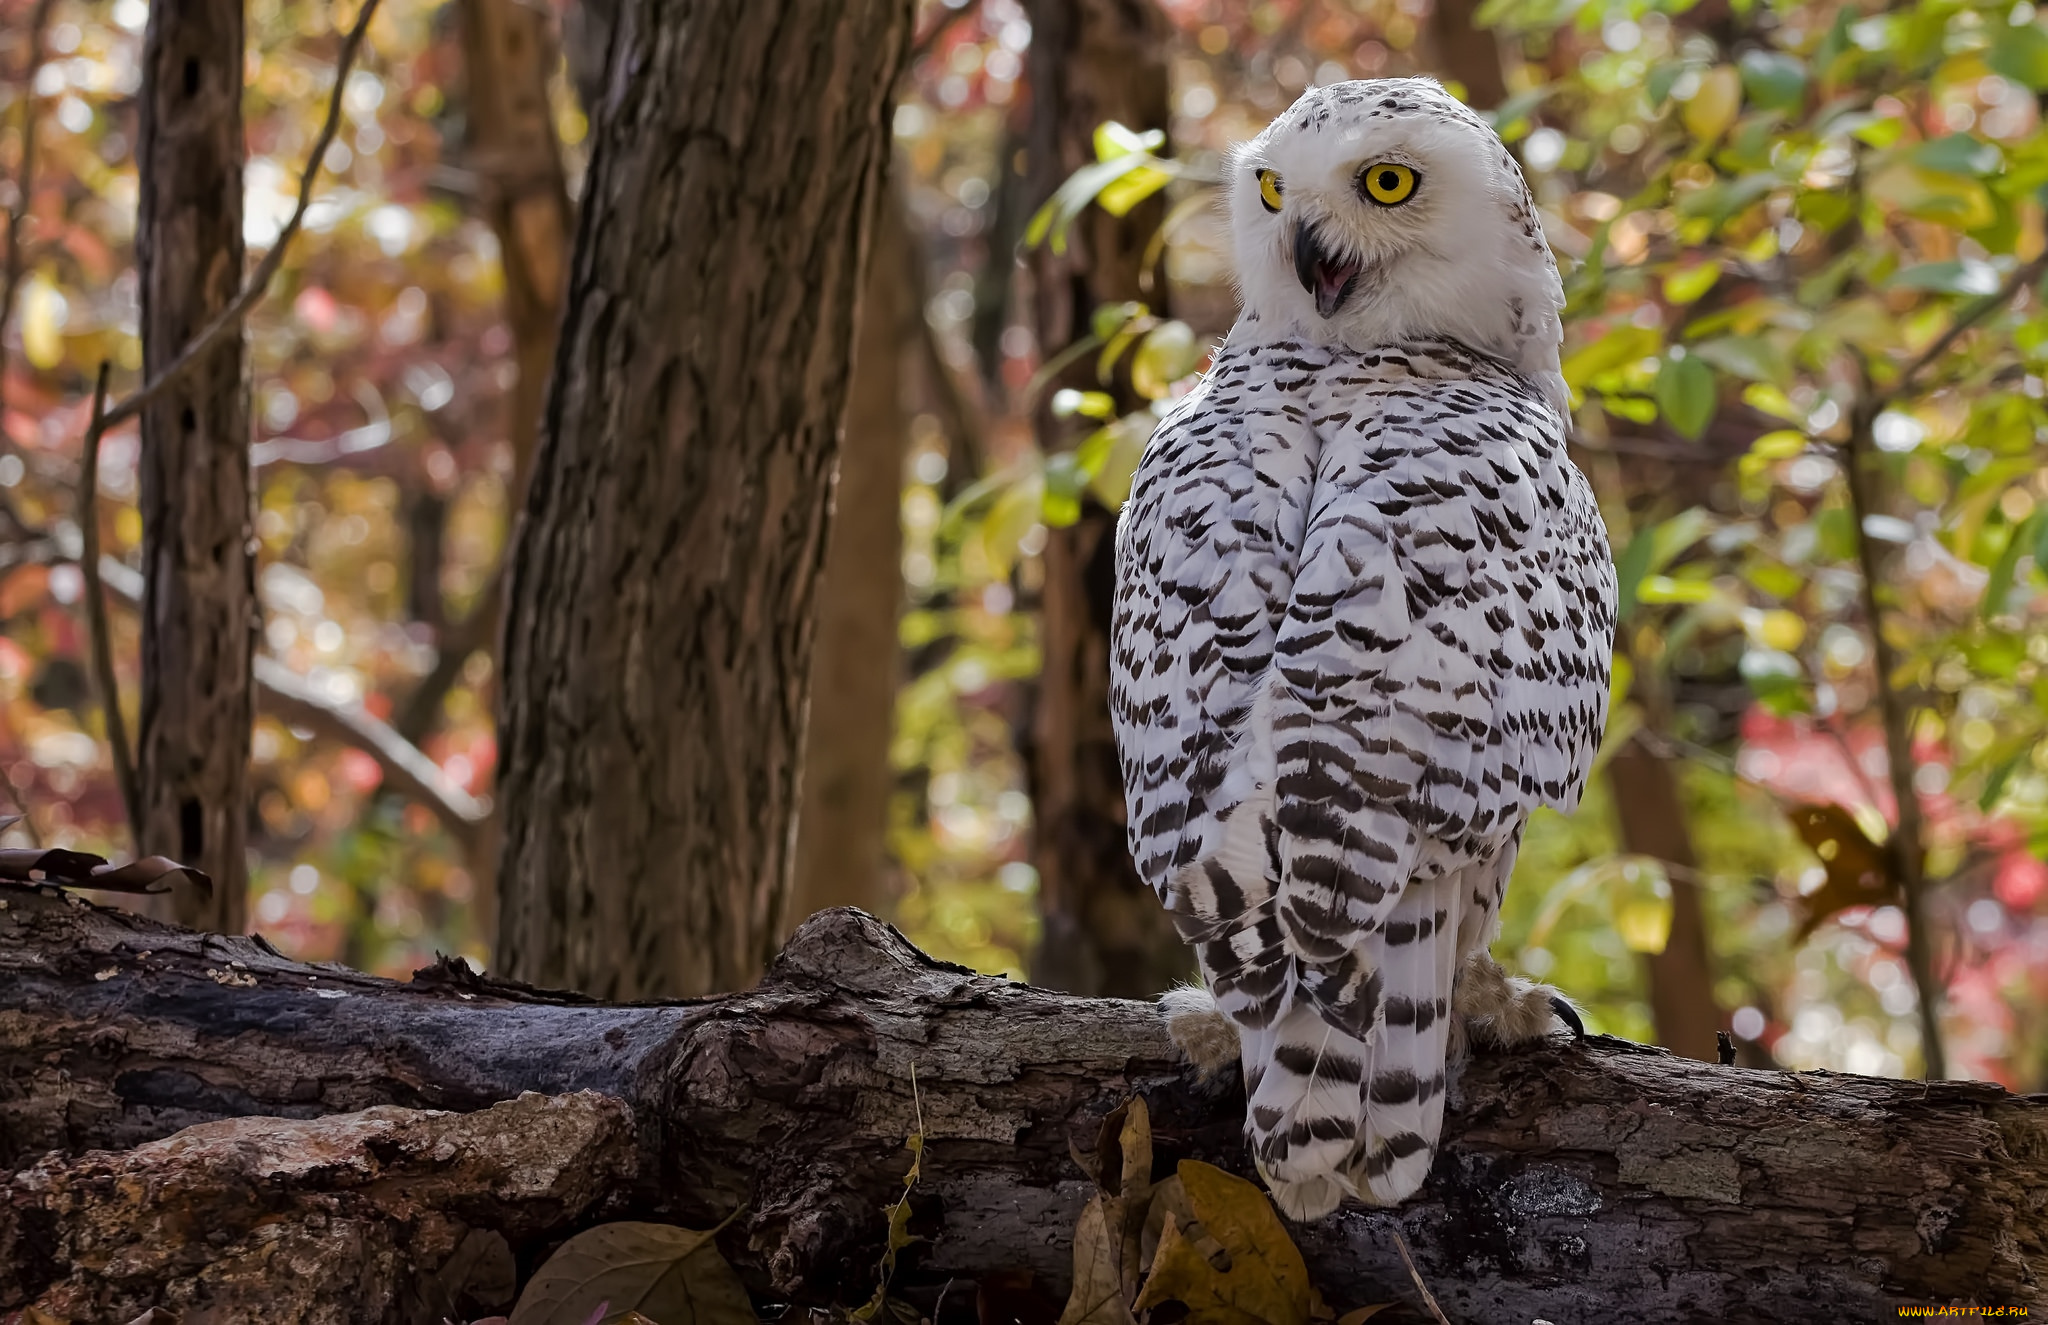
(1501, 1011)
(1199, 1030)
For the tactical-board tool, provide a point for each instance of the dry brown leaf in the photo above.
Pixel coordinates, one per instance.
(1860, 871)
(674, 1275)
(1098, 1296)
(1125, 1213)
(1266, 1279)
(1363, 1314)
(82, 869)
(1181, 1273)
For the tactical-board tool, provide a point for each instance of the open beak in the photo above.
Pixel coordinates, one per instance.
(1323, 275)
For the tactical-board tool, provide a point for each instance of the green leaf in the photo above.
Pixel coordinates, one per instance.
(1939, 196)
(1776, 679)
(1630, 568)
(1774, 80)
(1108, 319)
(1685, 393)
(1998, 588)
(1751, 358)
(1879, 131)
(1685, 284)
(1780, 445)
(1089, 404)
(1110, 456)
(672, 1275)
(1168, 353)
(1994, 786)
(1958, 154)
(1065, 481)
(1664, 75)
(2021, 54)
(1664, 589)
(1622, 345)
(1959, 276)
(1052, 221)
(1120, 195)
(1113, 140)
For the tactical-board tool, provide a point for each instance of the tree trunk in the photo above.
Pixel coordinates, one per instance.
(199, 613)
(1091, 60)
(843, 815)
(1467, 53)
(659, 628)
(1590, 1182)
(1653, 823)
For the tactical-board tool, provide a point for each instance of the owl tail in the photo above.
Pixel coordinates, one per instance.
(1333, 1115)
(1306, 1111)
(1403, 1090)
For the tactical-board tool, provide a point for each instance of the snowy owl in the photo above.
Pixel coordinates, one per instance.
(1364, 615)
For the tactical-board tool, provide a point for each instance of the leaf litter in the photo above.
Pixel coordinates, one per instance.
(1203, 1238)
(1201, 1247)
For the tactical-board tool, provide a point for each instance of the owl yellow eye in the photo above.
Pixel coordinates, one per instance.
(1269, 190)
(1388, 184)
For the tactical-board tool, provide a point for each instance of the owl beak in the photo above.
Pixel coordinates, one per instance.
(1325, 276)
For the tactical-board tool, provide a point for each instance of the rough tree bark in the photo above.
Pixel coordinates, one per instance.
(658, 635)
(843, 816)
(1090, 61)
(1467, 53)
(199, 612)
(1579, 1183)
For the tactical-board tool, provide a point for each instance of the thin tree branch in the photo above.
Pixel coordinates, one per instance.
(1968, 318)
(290, 698)
(286, 696)
(420, 711)
(104, 679)
(230, 320)
(17, 265)
(1408, 1259)
(1906, 842)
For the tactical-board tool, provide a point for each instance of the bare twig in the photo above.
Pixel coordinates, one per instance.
(230, 320)
(1908, 376)
(105, 681)
(1408, 1259)
(291, 699)
(286, 696)
(39, 18)
(1905, 844)
(420, 711)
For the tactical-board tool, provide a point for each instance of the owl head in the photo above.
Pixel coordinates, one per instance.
(1383, 210)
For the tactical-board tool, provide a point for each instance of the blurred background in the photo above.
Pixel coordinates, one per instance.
(1764, 211)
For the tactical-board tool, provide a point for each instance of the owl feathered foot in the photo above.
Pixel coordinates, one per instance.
(1199, 1030)
(1489, 1007)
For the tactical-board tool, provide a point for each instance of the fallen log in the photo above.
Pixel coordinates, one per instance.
(1595, 1181)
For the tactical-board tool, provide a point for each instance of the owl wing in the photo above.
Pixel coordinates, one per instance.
(1442, 666)
(1206, 550)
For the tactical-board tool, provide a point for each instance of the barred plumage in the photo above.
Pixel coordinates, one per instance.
(1364, 614)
